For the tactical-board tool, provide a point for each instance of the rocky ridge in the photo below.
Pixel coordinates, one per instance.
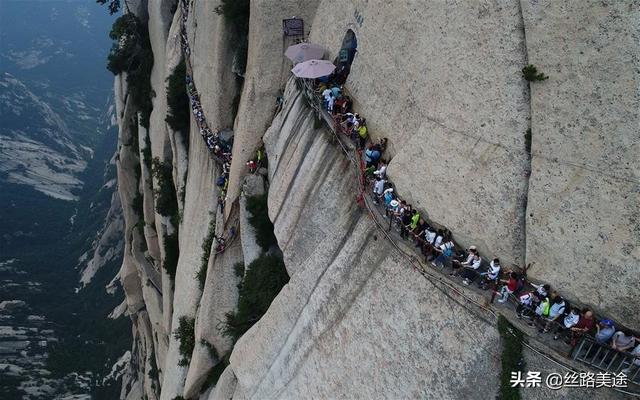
(452, 102)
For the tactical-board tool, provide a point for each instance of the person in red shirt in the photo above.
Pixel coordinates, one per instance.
(584, 325)
(510, 287)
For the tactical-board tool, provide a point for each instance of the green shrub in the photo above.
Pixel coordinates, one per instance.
(259, 219)
(201, 275)
(113, 5)
(131, 53)
(146, 152)
(236, 13)
(186, 336)
(531, 74)
(171, 254)
(262, 282)
(178, 116)
(238, 268)
(214, 374)
(165, 193)
(512, 358)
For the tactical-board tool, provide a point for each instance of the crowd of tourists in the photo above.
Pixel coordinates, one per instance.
(220, 149)
(540, 305)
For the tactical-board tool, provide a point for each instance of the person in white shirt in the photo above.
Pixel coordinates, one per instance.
(567, 323)
(330, 102)
(491, 275)
(382, 170)
(378, 189)
(471, 252)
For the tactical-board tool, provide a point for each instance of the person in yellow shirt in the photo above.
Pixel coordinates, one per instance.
(363, 133)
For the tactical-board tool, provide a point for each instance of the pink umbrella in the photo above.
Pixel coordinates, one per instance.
(304, 51)
(313, 69)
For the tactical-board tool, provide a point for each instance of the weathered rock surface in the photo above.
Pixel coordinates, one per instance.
(442, 81)
(352, 301)
(266, 73)
(583, 215)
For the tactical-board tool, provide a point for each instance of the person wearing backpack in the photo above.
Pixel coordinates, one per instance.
(445, 252)
(491, 275)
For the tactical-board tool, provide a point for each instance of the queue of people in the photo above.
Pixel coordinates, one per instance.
(542, 307)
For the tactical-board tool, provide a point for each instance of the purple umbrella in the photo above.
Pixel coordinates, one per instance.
(313, 69)
(304, 51)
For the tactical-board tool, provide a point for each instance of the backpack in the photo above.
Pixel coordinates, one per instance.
(448, 251)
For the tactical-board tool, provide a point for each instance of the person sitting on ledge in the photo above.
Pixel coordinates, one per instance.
(362, 135)
(418, 231)
(371, 157)
(456, 264)
(556, 313)
(491, 275)
(542, 291)
(378, 189)
(584, 325)
(445, 252)
(622, 341)
(604, 331)
(509, 287)
(569, 321)
(405, 221)
(469, 273)
(382, 169)
(526, 305)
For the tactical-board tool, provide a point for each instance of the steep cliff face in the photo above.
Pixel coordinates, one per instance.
(443, 83)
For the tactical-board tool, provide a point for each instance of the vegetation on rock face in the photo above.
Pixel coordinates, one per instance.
(178, 116)
(531, 74)
(236, 13)
(259, 219)
(527, 140)
(131, 53)
(112, 5)
(201, 275)
(165, 193)
(512, 358)
(263, 280)
(185, 335)
(171, 254)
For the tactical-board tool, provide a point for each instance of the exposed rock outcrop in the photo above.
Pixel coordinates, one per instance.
(443, 82)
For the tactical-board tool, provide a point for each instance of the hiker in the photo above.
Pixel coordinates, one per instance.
(469, 272)
(382, 169)
(326, 94)
(388, 196)
(252, 166)
(371, 157)
(456, 264)
(405, 221)
(491, 275)
(330, 103)
(378, 189)
(362, 135)
(604, 331)
(526, 304)
(445, 251)
(556, 313)
(509, 287)
(542, 291)
(568, 322)
(584, 325)
(622, 341)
